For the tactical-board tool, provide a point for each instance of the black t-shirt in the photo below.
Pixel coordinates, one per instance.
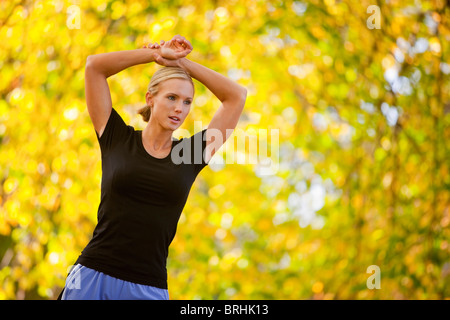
(142, 198)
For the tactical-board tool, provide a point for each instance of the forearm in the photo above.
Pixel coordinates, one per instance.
(222, 87)
(111, 63)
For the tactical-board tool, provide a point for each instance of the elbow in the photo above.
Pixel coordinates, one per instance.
(243, 96)
(90, 61)
(94, 64)
(244, 93)
(240, 94)
(236, 98)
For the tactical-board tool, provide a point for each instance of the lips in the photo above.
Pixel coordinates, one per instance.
(175, 119)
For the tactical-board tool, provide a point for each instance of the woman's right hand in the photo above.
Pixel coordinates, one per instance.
(169, 52)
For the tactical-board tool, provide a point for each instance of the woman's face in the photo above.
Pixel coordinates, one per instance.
(173, 100)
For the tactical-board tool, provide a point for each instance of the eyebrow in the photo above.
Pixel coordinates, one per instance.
(174, 94)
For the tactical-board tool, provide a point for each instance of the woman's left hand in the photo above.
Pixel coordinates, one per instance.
(169, 52)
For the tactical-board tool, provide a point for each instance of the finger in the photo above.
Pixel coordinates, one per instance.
(188, 44)
(179, 38)
(159, 59)
(181, 41)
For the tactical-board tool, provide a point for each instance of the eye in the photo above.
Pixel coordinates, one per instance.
(188, 102)
(170, 97)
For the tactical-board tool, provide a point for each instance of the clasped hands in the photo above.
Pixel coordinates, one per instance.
(168, 53)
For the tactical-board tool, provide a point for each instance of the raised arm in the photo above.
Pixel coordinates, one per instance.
(101, 66)
(231, 94)
(98, 68)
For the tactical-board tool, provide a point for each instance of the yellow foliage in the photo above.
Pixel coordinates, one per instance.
(362, 175)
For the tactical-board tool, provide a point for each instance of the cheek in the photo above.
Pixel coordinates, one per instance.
(162, 106)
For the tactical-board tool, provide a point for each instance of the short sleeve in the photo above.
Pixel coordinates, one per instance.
(115, 132)
(198, 145)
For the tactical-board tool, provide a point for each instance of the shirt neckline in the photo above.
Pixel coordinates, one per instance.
(141, 145)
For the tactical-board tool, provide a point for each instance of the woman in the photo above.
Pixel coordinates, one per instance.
(146, 175)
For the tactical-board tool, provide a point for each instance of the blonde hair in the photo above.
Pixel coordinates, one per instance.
(161, 75)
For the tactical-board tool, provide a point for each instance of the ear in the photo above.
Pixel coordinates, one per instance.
(149, 98)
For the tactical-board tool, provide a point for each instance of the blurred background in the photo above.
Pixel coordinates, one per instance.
(359, 94)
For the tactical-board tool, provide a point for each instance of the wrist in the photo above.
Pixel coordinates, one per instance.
(154, 53)
(183, 64)
(150, 54)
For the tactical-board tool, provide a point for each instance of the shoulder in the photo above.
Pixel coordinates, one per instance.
(116, 130)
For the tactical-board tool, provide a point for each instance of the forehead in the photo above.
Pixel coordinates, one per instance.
(180, 87)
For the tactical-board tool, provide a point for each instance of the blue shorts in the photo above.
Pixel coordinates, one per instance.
(83, 283)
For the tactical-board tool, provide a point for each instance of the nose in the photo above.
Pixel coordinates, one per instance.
(179, 107)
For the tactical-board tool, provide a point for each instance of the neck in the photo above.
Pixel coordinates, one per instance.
(156, 136)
